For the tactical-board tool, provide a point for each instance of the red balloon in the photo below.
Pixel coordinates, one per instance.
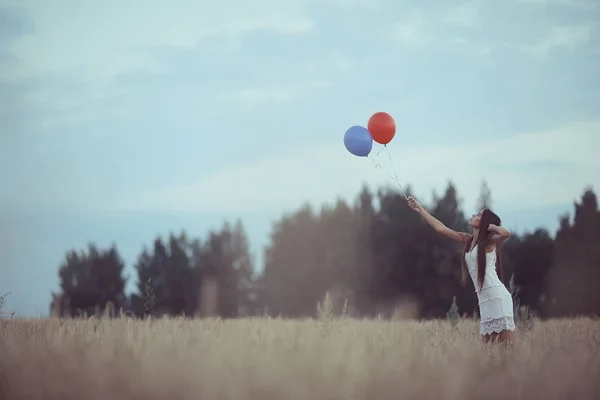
(382, 127)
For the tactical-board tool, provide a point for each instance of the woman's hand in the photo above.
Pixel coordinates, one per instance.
(499, 233)
(435, 223)
(493, 228)
(497, 229)
(412, 203)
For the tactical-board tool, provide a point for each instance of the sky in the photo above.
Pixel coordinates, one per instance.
(122, 120)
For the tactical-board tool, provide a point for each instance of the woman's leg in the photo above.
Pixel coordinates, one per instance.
(489, 338)
(504, 336)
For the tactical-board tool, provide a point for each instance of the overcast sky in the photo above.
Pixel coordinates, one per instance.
(121, 119)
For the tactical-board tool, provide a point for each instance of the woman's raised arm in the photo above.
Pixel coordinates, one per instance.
(436, 224)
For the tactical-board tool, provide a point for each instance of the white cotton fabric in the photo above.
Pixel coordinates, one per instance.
(495, 301)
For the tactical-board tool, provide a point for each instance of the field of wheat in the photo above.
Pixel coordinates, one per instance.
(291, 359)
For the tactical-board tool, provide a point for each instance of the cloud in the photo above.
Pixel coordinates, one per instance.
(585, 4)
(65, 59)
(465, 14)
(101, 40)
(61, 103)
(411, 31)
(480, 27)
(540, 169)
(439, 25)
(561, 37)
(251, 98)
(335, 63)
(14, 23)
(363, 4)
(444, 28)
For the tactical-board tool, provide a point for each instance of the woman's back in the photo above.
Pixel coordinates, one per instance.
(495, 301)
(491, 278)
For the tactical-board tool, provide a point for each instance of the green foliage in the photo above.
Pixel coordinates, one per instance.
(171, 276)
(369, 254)
(485, 197)
(3, 301)
(452, 314)
(326, 318)
(89, 280)
(149, 298)
(523, 315)
(325, 308)
(573, 283)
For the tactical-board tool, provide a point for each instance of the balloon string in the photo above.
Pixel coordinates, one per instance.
(393, 167)
(395, 179)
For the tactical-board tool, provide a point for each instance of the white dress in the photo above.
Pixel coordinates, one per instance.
(495, 301)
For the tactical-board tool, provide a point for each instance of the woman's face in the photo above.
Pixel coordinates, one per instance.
(475, 219)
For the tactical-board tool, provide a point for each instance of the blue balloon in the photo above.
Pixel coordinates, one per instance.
(358, 141)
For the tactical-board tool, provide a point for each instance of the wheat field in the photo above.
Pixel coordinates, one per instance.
(267, 359)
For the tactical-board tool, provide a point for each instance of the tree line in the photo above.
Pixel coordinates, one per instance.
(372, 257)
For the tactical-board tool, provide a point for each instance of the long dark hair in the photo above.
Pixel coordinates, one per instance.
(483, 239)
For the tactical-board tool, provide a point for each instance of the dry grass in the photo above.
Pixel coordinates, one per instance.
(278, 359)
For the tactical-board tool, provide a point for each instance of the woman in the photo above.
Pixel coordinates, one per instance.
(480, 253)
